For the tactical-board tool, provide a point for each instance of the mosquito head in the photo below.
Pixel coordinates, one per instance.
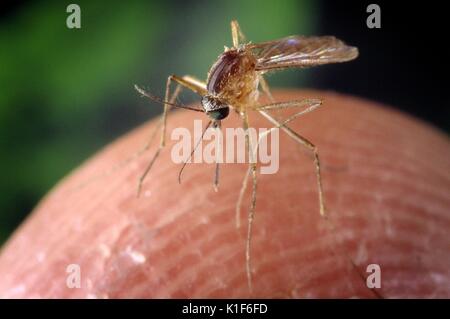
(215, 108)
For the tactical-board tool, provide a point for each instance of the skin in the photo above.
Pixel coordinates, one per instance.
(386, 179)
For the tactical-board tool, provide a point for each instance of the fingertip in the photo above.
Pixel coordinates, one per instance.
(182, 240)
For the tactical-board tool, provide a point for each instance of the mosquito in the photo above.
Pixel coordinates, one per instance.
(233, 82)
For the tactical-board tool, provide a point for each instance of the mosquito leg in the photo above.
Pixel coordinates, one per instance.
(163, 134)
(266, 90)
(322, 206)
(187, 82)
(236, 34)
(216, 178)
(158, 126)
(303, 141)
(307, 104)
(241, 197)
(251, 216)
(217, 125)
(192, 83)
(252, 167)
(310, 146)
(312, 105)
(265, 87)
(251, 213)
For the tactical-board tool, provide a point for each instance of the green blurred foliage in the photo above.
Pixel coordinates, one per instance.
(66, 92)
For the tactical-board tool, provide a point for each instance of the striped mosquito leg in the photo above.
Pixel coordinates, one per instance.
(304, 142)
(251, 213)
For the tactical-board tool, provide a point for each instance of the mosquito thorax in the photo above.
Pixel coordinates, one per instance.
(215, 108)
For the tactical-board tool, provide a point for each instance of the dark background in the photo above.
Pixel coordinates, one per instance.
(66, 93)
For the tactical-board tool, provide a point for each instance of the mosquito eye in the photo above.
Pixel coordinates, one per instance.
(219, 114)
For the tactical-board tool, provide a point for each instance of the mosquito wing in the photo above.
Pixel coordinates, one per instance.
(301, 52)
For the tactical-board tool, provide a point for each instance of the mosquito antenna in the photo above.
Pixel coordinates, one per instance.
(159, 100)
(193, 151)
